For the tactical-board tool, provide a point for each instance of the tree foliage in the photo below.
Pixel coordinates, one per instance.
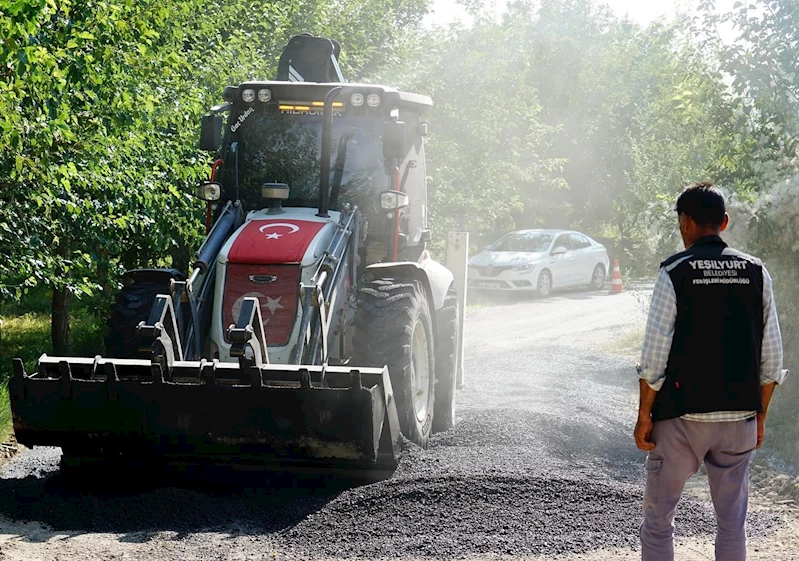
(557, 114)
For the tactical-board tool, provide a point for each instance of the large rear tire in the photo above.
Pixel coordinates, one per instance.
(132, 306)
(393, 328)
(446, 362)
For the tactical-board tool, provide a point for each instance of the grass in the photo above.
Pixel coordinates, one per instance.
(27, 336)
(5, 414)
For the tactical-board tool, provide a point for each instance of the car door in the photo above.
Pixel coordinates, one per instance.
(562, 265)
(584, 260)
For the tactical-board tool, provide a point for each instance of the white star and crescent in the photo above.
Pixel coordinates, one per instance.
(273, 304)
(293, 228)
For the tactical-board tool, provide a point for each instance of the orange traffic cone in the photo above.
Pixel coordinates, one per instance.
(615, 285)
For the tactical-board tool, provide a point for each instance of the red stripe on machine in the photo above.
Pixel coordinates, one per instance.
(274, 241)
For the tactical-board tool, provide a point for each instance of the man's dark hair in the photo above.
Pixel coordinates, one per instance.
(702, 202)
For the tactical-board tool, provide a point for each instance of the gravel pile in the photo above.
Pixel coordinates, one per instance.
(452, 513)
(436, 506)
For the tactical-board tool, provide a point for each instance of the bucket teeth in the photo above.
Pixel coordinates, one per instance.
(208, 372)
(111, 380)
(66, 379)
(305, 379)
(158, 374)
(356, 382)
(17, 385)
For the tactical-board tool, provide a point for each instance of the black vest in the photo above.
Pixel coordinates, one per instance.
(714, 362)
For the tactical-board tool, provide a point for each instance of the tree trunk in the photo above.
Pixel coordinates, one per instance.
(105, 298)
(180, 257)
(59, 326)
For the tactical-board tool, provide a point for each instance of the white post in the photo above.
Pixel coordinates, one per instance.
(457, 262)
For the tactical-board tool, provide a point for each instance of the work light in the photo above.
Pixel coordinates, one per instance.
(264, 95)
(208, 191)
(393, 200)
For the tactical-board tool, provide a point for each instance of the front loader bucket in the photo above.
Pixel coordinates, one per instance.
(209, 412)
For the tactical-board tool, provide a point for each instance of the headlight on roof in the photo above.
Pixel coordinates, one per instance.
(248, 95)
(264, 95)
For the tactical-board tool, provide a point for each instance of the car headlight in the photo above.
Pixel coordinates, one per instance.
(528, 268)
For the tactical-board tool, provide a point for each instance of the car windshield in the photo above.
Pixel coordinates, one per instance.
(286, 147)
(523, 242)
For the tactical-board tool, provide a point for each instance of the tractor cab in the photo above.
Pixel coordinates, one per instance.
(274, 134)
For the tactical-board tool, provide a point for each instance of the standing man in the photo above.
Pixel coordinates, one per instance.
(711, 358)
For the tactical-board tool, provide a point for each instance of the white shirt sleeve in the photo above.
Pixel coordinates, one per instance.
(771, 350)
(659, 332)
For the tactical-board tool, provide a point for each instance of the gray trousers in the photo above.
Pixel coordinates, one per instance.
(680, 448)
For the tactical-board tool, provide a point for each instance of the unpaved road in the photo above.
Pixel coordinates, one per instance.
(541, 465)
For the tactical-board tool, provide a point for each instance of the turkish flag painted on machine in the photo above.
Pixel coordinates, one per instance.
(273, 242)
(277, 289)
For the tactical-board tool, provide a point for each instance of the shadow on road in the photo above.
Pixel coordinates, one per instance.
(141, 505)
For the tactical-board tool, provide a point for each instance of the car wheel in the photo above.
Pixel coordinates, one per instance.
(544, 284)
(597, 278)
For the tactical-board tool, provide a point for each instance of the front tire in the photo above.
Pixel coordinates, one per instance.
(393, 328)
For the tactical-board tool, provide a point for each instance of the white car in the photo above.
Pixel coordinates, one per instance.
(540, 260)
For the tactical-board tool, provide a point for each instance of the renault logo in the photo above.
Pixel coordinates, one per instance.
(263, 279)
(489, 270)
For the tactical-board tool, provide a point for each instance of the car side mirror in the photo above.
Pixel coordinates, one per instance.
(394, 147)
(211, 133)
(560, 250)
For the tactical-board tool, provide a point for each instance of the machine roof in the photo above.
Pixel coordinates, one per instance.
(313, 90)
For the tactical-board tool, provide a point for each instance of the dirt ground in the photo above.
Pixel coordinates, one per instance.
(540, 466)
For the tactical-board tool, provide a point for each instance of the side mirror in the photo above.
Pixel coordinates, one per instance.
(208, 191)
(560, 250)
(402, 242)
(394, 140)
(394, 200)
(211, 133)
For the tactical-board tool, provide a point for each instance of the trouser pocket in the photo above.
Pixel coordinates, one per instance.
(652, 491)
(746, 436)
